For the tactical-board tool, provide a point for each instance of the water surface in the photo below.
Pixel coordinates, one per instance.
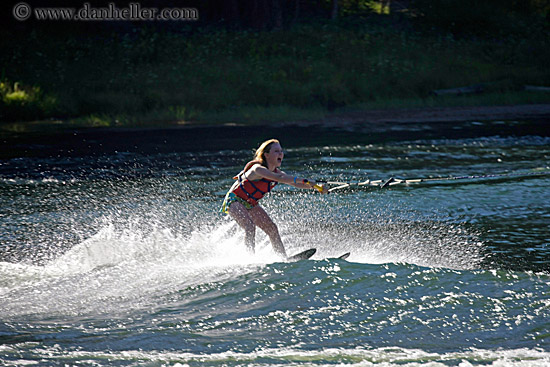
(114, 253)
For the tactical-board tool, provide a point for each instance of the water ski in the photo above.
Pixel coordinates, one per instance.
(304, 255)
(344, 256)
(341, 257)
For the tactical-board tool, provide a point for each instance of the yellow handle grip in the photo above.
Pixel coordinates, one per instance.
(318, 188)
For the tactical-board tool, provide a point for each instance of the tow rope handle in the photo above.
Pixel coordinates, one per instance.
(316, 186)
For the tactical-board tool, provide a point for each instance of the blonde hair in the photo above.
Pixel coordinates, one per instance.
(265, 147)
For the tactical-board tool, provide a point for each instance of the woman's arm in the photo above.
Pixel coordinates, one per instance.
(300, 182)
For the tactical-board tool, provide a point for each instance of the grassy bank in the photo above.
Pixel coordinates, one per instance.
(151, 77)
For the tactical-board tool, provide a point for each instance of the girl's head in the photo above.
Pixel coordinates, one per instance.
(264, 150)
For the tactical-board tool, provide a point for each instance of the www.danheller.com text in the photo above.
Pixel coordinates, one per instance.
(134, 11)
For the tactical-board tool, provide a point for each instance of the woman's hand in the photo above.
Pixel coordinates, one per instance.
(323, 190)
(318, 186)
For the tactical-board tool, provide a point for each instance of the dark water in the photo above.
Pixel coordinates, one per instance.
(113, 251)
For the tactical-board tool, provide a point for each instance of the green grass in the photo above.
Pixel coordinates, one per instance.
(219, 76)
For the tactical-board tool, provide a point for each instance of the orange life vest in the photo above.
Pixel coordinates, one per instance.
(252, 191)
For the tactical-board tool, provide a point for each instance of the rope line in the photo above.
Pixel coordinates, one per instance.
(392, 181)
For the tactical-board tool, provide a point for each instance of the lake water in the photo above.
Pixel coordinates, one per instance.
(113, 252)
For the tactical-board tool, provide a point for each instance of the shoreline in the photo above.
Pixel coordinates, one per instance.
(367, 119)
(381, 117)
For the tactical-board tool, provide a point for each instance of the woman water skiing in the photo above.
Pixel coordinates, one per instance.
(257, 178)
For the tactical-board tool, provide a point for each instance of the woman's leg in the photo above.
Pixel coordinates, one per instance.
(241, 215)
(262, 220)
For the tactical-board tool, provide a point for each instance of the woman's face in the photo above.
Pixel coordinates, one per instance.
(275, 156)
